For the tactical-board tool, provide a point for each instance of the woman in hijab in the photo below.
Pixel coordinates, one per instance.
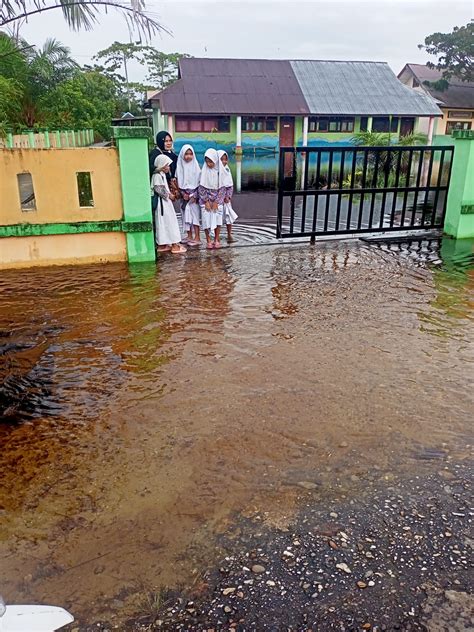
(168, 235)
(211, 197)
(164, 146)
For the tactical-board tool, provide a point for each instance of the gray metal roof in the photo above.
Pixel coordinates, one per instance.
(265, 86)
(358, 87)
(233, 86)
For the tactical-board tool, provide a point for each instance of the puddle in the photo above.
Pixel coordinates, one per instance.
(146, 406)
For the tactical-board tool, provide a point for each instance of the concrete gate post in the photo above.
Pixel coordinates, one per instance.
(132, 143)
(459, 220)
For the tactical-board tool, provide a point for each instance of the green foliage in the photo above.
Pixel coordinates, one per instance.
(88, 100)
(81, 14)
(455, 52)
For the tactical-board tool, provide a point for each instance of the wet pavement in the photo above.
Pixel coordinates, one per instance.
(158, 420)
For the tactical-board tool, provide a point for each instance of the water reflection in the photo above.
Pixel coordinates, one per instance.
(151, 405)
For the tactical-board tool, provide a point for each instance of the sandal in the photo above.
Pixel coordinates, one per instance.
(217, 244)
(210, 245)
(163, 248)
(180, 251)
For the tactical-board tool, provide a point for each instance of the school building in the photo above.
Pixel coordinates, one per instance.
(258, 105)
(456, 102)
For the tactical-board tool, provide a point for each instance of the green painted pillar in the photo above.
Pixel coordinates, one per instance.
(66, 138)
(132, 143)
(73, 138)
(369, 123)
(57, 135)
(9, 140)
(459, 220)
(31, 138)
(47, 140)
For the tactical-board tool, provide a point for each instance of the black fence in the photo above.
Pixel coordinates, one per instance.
(350, 189)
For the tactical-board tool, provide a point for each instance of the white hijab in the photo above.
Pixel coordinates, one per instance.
(159, 177)
(187, 173)
(210, 177)
(226, 179)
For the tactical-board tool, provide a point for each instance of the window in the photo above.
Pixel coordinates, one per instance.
(339, 124)
(382, 124)
(26, 191)
(364, 123)
(459, 114)
(84, 188)
(202, 123)
(416, 83)
(452, 125)
(259, 124)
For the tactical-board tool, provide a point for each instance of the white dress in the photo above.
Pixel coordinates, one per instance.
(230, 215)
(211, 219)
(166, 222)
(192, 215)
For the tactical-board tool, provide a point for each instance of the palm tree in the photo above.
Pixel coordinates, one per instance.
(81, 13)
(27, 73)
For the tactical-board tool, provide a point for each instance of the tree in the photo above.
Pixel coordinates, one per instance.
(32, 72)
(81, 14)
(88, 100)
(162, 67)
(455, 52)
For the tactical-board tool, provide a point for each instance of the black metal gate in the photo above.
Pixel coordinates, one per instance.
(349, 189)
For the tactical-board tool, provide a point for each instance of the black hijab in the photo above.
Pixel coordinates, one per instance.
(160, 149)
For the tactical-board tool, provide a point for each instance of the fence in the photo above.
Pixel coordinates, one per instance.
(46, 139)
(350, 189)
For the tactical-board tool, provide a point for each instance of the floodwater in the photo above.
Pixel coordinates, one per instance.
(146, 408)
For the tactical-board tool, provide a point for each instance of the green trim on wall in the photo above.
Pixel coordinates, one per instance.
(73, 228)
(132, 132)
(467, 209)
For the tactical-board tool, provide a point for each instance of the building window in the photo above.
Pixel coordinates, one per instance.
(84, 188)
(338, 124)
(26, 191)
(460, 114)
(259, 124)
(416, 83)
(202, 123)
(382, 124)
(454, 125)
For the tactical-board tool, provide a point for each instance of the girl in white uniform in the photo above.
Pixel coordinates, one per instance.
(168, 234)
(188, 173)
(229, 215)
(211, 197)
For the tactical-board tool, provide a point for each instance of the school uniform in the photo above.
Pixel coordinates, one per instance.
(211, 191)
(226, 180)
(166, 222)
(188, 175)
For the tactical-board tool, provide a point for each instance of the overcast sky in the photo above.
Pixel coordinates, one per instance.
(382, 30)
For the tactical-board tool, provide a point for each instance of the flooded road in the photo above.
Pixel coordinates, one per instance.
(147, 409)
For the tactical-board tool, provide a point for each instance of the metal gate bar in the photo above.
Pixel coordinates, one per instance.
(352, 189)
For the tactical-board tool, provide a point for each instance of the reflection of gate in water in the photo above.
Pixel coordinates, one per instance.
(350, 189)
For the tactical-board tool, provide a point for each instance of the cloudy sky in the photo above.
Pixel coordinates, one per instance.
(383, 30)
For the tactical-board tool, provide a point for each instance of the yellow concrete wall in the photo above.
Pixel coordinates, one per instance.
(46, 250)
(54, 181)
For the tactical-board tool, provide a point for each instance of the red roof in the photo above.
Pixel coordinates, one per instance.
(460, 94)
(233, 86)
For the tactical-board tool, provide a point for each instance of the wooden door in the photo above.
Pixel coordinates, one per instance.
(287, 131)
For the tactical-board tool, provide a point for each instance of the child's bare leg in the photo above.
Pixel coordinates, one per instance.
(190, 234)
(229, 232)
(197, 236)
(208, 235)
(216, 234)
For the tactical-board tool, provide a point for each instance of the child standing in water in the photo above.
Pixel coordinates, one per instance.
(168, 234)
(188, 174)
(229, 215)
(211, 197)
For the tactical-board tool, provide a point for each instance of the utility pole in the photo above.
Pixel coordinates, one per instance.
(126, 80)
